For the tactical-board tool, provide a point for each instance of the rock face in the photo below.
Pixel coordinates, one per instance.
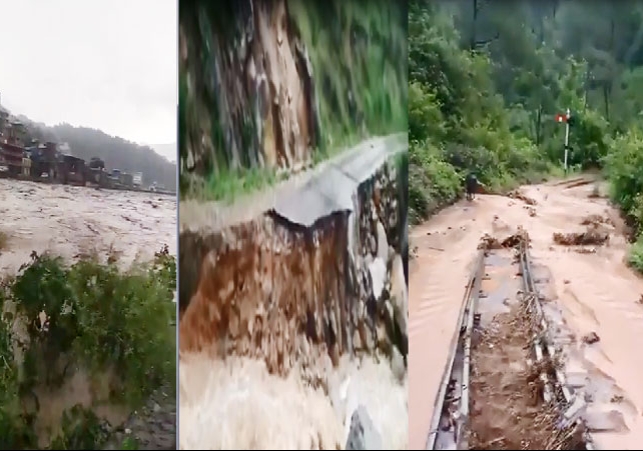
(362, 434)
(247, 93)
(286, 293)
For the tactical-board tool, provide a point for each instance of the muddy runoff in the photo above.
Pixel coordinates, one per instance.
(73, 222)
(307, 321)
(588, 294)
(516, 400)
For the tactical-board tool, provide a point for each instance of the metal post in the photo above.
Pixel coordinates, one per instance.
(566, 137)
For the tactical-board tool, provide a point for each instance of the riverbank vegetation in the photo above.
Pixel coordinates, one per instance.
(108, 332)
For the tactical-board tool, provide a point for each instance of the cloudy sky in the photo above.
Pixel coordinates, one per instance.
(106, 64)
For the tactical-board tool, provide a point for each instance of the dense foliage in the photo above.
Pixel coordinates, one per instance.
(488, 77)
(484, 92)
(101, 319)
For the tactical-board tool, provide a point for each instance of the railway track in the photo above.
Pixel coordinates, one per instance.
(504, 384)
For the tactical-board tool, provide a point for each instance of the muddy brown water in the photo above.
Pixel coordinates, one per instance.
(72, 221)
(593, 292)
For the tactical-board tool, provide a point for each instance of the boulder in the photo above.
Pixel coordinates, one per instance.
(362, 434)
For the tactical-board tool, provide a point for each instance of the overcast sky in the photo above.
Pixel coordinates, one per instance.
(106, 64)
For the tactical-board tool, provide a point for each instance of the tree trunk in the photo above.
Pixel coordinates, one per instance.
(472, 43)
(539, 122)
(606, 100)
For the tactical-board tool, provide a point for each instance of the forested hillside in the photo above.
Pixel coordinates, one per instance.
(488, 77)
(118, 153)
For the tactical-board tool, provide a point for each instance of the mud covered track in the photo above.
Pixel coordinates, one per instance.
(504, 385)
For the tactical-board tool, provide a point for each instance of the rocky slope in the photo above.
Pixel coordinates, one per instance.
(259, 94)
(269, 85)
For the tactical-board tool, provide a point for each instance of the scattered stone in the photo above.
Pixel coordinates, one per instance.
(585, 250)
(595, 220)
(362, 434)
(490, 242)
(377, 270)
(382, 243)
(591, 338)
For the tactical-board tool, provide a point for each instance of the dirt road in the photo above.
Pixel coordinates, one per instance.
(71, 221)
(591, 286)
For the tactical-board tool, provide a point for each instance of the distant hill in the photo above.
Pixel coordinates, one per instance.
(166, 150)
(117, 153)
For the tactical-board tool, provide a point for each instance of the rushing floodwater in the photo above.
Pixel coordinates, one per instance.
(72, 221)
(236, 404)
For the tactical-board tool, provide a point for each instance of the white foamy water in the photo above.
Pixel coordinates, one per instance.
(236, 404)
(70, 221)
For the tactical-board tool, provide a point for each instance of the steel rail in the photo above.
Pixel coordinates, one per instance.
(461, 344)
(466, 311)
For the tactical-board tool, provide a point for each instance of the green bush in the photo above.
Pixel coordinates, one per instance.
(635, 256)
(624, 169)
(102, 319)
(433, 182)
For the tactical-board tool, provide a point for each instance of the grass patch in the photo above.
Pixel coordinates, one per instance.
(358, 54)
(635, 255)
(4, 240)
(101, 319)
(227, 186)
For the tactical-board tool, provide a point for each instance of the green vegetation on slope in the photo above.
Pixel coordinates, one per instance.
(484, 91)
(359, 79)
(487, 79)
(358, 54)
(117, 326)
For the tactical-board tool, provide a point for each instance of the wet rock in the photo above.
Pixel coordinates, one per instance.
(362, 434)
(517, 194)
(397, 365)
(591, 338)
(382, 243)
(372, 244)
(399, 296)
(377, 271)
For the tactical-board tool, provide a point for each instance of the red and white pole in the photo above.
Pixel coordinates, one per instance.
(566, 137)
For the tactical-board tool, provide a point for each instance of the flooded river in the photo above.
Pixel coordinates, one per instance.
(73, 221)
